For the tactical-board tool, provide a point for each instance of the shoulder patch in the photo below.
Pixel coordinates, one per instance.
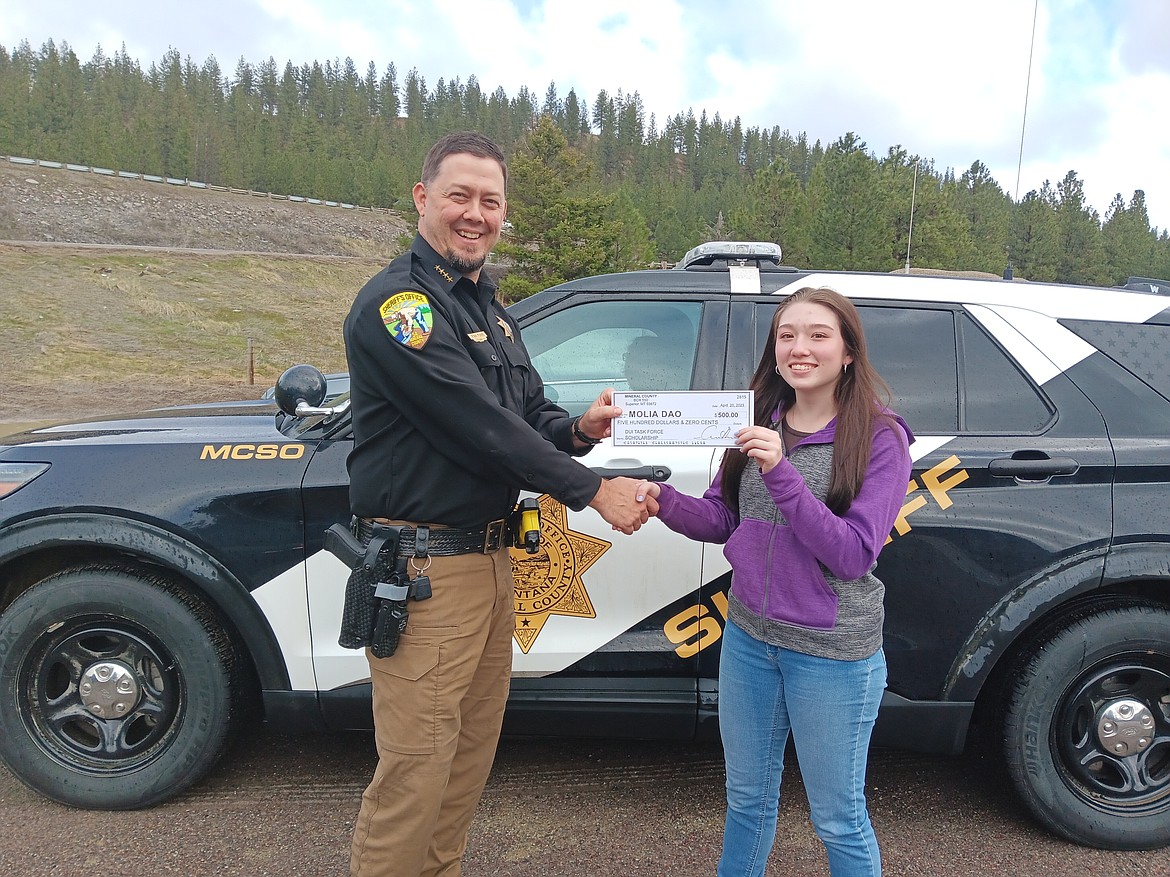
(407, 317)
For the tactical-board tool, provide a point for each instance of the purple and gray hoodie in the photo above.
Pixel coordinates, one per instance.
(802, 577)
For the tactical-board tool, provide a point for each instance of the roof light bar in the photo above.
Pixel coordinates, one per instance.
(746, 251)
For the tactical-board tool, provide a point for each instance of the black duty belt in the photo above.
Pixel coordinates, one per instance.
(441, 541)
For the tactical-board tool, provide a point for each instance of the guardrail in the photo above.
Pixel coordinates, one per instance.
(194, 184)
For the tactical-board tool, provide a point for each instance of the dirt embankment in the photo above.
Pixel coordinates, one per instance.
(232, 286)
(62, 206)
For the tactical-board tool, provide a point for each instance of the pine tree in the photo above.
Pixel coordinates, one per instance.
(1036, 236)
(561, 226)
(847, 210)
(1130, 245)
(776, 209)
(987, 211)
(1082, 255)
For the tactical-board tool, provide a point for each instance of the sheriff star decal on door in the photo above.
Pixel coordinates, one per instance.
(549, 581)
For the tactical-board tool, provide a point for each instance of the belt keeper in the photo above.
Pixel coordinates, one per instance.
(422, 538)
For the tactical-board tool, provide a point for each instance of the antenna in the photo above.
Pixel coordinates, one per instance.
(910, 234)
(1008, 273)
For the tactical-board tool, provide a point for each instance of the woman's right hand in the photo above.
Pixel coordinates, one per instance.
(648, 489)
(761, 444)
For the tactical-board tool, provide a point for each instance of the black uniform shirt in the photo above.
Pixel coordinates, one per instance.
(449, 416)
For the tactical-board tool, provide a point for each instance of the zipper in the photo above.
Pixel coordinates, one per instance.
(768, 569)
(771, 541)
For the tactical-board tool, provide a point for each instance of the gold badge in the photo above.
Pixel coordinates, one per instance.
(444, 274)
(477, 337)
(549, 581)
(507, 329)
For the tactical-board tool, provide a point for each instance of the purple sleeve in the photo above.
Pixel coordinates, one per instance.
(706, 518)
(848, 545)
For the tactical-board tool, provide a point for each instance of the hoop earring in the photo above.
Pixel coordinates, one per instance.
(777, 369)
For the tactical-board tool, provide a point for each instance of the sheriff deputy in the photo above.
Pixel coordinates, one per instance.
(450, 422)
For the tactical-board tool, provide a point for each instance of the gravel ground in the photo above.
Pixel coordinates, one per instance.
(565, 808)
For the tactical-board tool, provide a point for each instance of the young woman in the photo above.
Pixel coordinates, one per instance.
(804, 505)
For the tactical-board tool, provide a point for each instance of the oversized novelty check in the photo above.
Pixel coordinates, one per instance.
(699, 419)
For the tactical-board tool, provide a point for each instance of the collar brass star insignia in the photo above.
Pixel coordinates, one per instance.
(507, 329)
(549, 581)
(443, 273)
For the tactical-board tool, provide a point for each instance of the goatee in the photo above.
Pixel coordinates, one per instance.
(462, 265)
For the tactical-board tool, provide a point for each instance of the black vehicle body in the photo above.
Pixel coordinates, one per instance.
(1148, 284)
(1028, 579)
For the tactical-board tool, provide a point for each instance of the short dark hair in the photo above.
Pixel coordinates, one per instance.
(456, 143)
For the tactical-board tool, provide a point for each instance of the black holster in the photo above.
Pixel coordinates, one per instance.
(374, 615)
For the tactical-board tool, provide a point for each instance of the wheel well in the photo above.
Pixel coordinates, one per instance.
(20, 575)
(987, 720)
(34, 548)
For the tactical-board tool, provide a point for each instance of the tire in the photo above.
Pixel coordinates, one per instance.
(115, 688)
(1087, 729)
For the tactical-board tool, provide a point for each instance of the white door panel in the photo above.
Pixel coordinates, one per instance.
(624, 578)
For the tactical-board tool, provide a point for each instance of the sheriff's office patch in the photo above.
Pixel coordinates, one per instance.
(408, 318)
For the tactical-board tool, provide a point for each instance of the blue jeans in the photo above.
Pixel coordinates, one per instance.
(830, 707)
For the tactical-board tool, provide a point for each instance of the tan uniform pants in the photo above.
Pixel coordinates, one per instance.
(438, 706)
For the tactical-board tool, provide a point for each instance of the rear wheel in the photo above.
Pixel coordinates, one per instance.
(115, 688)
(1087, 729)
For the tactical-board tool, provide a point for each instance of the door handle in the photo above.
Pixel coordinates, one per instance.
(641, 473)
(1033, 469)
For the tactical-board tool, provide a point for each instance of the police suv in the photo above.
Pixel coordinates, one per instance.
(163, 575)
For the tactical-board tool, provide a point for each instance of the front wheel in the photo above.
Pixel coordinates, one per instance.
(115, 688)
(1087, 729)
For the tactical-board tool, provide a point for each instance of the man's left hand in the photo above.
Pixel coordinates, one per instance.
(597, 421)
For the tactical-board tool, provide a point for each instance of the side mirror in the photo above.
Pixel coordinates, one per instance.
(300, 390)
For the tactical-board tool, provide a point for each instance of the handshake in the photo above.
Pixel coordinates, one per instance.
(626, 503)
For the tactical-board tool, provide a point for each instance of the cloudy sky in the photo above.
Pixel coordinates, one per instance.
(945, 80)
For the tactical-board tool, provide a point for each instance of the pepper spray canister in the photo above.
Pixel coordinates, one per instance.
(526, 525)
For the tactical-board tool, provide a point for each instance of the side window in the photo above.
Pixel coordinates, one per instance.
(627, 345)
(913, 349)
(998, 397)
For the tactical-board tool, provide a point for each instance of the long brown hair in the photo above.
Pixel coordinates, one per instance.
(859, 394)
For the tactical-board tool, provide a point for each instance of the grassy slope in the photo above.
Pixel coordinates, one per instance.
(108, 331)
(87, 330)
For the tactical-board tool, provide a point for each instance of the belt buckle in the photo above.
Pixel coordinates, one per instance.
(493, 536)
